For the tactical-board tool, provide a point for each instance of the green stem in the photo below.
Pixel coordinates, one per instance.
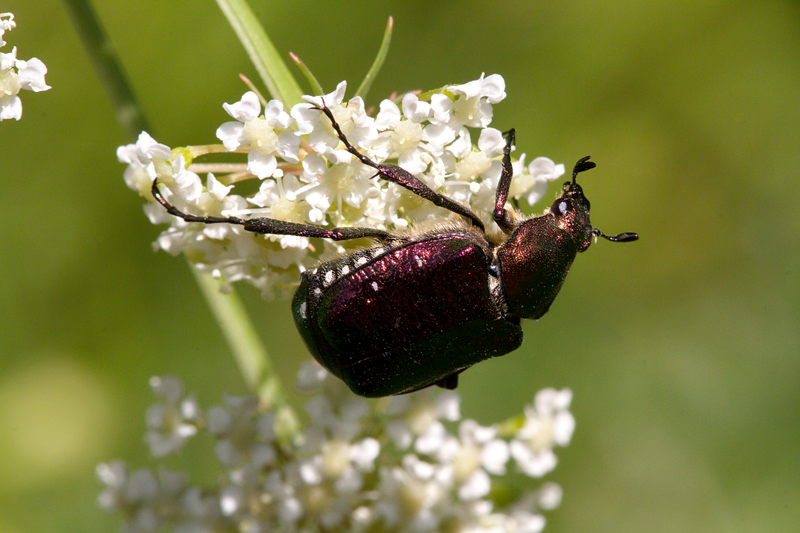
(265, 57)
(316, 87)
(250, 353)
(239, 331)
(365, 86)
(247, 348)
(104, 59)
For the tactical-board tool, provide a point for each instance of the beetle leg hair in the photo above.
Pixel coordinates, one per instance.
(500, 214)
(272, 226)
(404, 178)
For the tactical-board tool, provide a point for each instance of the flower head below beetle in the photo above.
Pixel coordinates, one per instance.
(305, 175)
(433, 471)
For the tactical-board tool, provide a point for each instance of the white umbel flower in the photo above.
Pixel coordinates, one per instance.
(308, 177)
(17, 74)
(350, 478)
(266, 134)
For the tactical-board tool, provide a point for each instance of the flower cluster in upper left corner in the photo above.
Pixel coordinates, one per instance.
(17, 74)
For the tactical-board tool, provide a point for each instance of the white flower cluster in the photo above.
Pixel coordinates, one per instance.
(406, 464)
(306, 176)
(16, 74)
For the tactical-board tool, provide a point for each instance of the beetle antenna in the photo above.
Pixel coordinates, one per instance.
(582, 165)
(622, 237)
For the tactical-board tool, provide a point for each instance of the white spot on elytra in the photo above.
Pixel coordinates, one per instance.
(345, 270)
(302, 310)
(362, 261)
(375, 286)
(418, 259)
(317, 291)
(328, 277)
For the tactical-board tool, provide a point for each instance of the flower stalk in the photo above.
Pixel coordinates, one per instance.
(107, 66)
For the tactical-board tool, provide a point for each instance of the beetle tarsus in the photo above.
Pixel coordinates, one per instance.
(272, 226)
(402, 177)
(342, 137)
(172, 210)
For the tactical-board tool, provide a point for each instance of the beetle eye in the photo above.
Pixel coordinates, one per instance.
(561, 207)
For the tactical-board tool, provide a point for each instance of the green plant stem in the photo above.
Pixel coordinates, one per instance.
(249, 352)
(365, 86)
(106, 64)
(265, 57)
(247, 348)
(316, 87)
(227, 308)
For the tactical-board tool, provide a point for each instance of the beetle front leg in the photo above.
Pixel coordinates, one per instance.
(500, 214)
(404, 178)
(272, 226)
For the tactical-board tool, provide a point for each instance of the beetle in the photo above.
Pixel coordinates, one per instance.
(419, 307)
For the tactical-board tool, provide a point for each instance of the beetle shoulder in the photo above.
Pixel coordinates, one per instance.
(456, 226)
(449, 230)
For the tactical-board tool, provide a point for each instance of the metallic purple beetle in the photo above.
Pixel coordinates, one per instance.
(420, 307)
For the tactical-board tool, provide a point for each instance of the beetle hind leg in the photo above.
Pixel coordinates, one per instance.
(448, 382)
(402, 177)
(272, 226)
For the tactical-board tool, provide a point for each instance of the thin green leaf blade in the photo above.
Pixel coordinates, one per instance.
(265, 57)
(365, 86)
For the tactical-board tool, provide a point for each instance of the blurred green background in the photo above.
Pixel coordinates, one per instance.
(683, 350)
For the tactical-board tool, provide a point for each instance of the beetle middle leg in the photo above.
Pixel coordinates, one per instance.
(272, 226)
(404, 178)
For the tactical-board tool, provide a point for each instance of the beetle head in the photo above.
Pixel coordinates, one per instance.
(571, 211)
